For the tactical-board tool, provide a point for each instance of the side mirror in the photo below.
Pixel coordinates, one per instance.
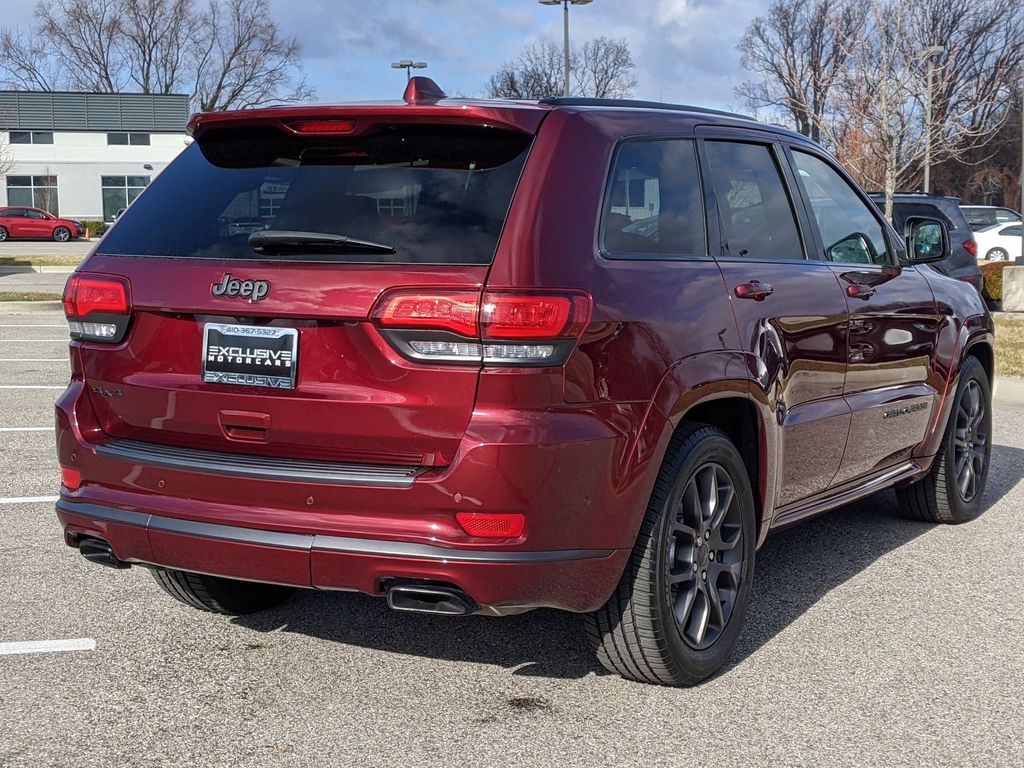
(927, 240)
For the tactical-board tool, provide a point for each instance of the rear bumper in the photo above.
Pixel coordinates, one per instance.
(565, 471)
(575, 580)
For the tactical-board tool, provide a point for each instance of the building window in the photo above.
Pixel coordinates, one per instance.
(31, 137)
(119, 192)
(124, 139)
(34, 192)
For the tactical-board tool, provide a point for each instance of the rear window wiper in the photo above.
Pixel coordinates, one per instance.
(282, 241)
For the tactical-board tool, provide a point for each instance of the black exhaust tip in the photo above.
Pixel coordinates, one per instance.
(428, 598)
(99, 551)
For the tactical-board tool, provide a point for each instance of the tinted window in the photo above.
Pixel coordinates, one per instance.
(902, 211)
(12, 213)
(1012, 231)
(138, 138)
(654, 204)
(757, 218)
(42, 137)
(21, 137)
(438, 196)
(850, 231)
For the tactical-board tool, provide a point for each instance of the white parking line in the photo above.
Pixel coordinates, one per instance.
(26, 429)
(55, 325)
(48, 646)
(29, 386)
(33, 359)
(27, 499)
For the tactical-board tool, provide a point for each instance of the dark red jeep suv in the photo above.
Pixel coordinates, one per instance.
(482, 357)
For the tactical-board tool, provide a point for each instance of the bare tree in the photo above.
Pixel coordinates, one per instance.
(224, 53)
(799, 49)
(538, 73)
(244, 61)
(602, 68)
(881, 98)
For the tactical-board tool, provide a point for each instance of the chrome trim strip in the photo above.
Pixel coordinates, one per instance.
(800, 510)
(324, 543)
(261, 467)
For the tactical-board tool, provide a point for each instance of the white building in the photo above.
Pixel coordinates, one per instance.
(87, 155)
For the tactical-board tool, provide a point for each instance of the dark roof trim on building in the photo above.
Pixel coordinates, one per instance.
(70, 111)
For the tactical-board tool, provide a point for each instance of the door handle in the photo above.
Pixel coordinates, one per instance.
(858, 291)
(753, 290)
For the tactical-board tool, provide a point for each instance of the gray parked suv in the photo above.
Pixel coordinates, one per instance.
(963, 259)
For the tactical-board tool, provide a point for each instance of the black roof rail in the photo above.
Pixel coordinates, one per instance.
(574, 101)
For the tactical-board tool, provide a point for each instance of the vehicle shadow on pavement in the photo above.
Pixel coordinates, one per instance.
(795, 569)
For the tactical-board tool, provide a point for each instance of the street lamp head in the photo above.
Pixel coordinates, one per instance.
(419, 65)
(933, 50)
(550, 2)
(401, 64)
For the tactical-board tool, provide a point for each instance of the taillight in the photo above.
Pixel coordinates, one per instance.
(493, 327)
(97, 306)
(972, 248)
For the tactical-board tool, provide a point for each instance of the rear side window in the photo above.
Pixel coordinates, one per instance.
(654, 205)
(757, 218)
(902, 211)
(433, 195)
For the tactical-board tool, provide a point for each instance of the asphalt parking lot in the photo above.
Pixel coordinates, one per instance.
(872, 640)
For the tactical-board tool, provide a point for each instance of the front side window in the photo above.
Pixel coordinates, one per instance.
(850, 232)
(119, 192)
(654, 206)
(757, 218)
(34, 192)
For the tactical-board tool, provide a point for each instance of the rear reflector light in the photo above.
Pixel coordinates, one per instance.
(492, 526)
(971, 247)
(70, 478)
(464, 326)
(96, 306)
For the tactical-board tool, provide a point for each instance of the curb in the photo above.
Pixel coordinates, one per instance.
(39, 269)
(28, 307)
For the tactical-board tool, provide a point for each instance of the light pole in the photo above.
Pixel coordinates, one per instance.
(567, 88)
(408, 65)
(929, 53)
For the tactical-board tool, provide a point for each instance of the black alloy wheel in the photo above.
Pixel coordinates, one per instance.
(705, 560)
(970, 442)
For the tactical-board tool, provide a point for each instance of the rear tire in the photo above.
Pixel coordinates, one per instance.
(61, 234)
(677, 612)
(952, 490)
(219, 595)
(997, 254)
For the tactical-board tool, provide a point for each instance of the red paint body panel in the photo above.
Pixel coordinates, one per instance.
(575, 448)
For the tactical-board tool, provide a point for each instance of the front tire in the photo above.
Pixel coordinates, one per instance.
(61, 234)
(219, 595)
(677, 612)
(952, 490)
(997, 254)
(3, 234)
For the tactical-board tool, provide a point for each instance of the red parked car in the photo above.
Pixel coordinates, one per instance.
(482, 357)
(36, 224)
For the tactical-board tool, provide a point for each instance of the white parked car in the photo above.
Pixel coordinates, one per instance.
(1000, 242)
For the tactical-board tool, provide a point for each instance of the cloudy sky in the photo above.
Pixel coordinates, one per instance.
(685, 50)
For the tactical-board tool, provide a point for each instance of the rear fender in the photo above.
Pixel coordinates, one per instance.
(693, 381)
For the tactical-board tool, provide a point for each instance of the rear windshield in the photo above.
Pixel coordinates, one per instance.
(435, 195)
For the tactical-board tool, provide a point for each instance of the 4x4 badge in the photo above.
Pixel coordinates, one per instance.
(254, 290)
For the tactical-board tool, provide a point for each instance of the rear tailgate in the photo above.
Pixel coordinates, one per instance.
(203, 298)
